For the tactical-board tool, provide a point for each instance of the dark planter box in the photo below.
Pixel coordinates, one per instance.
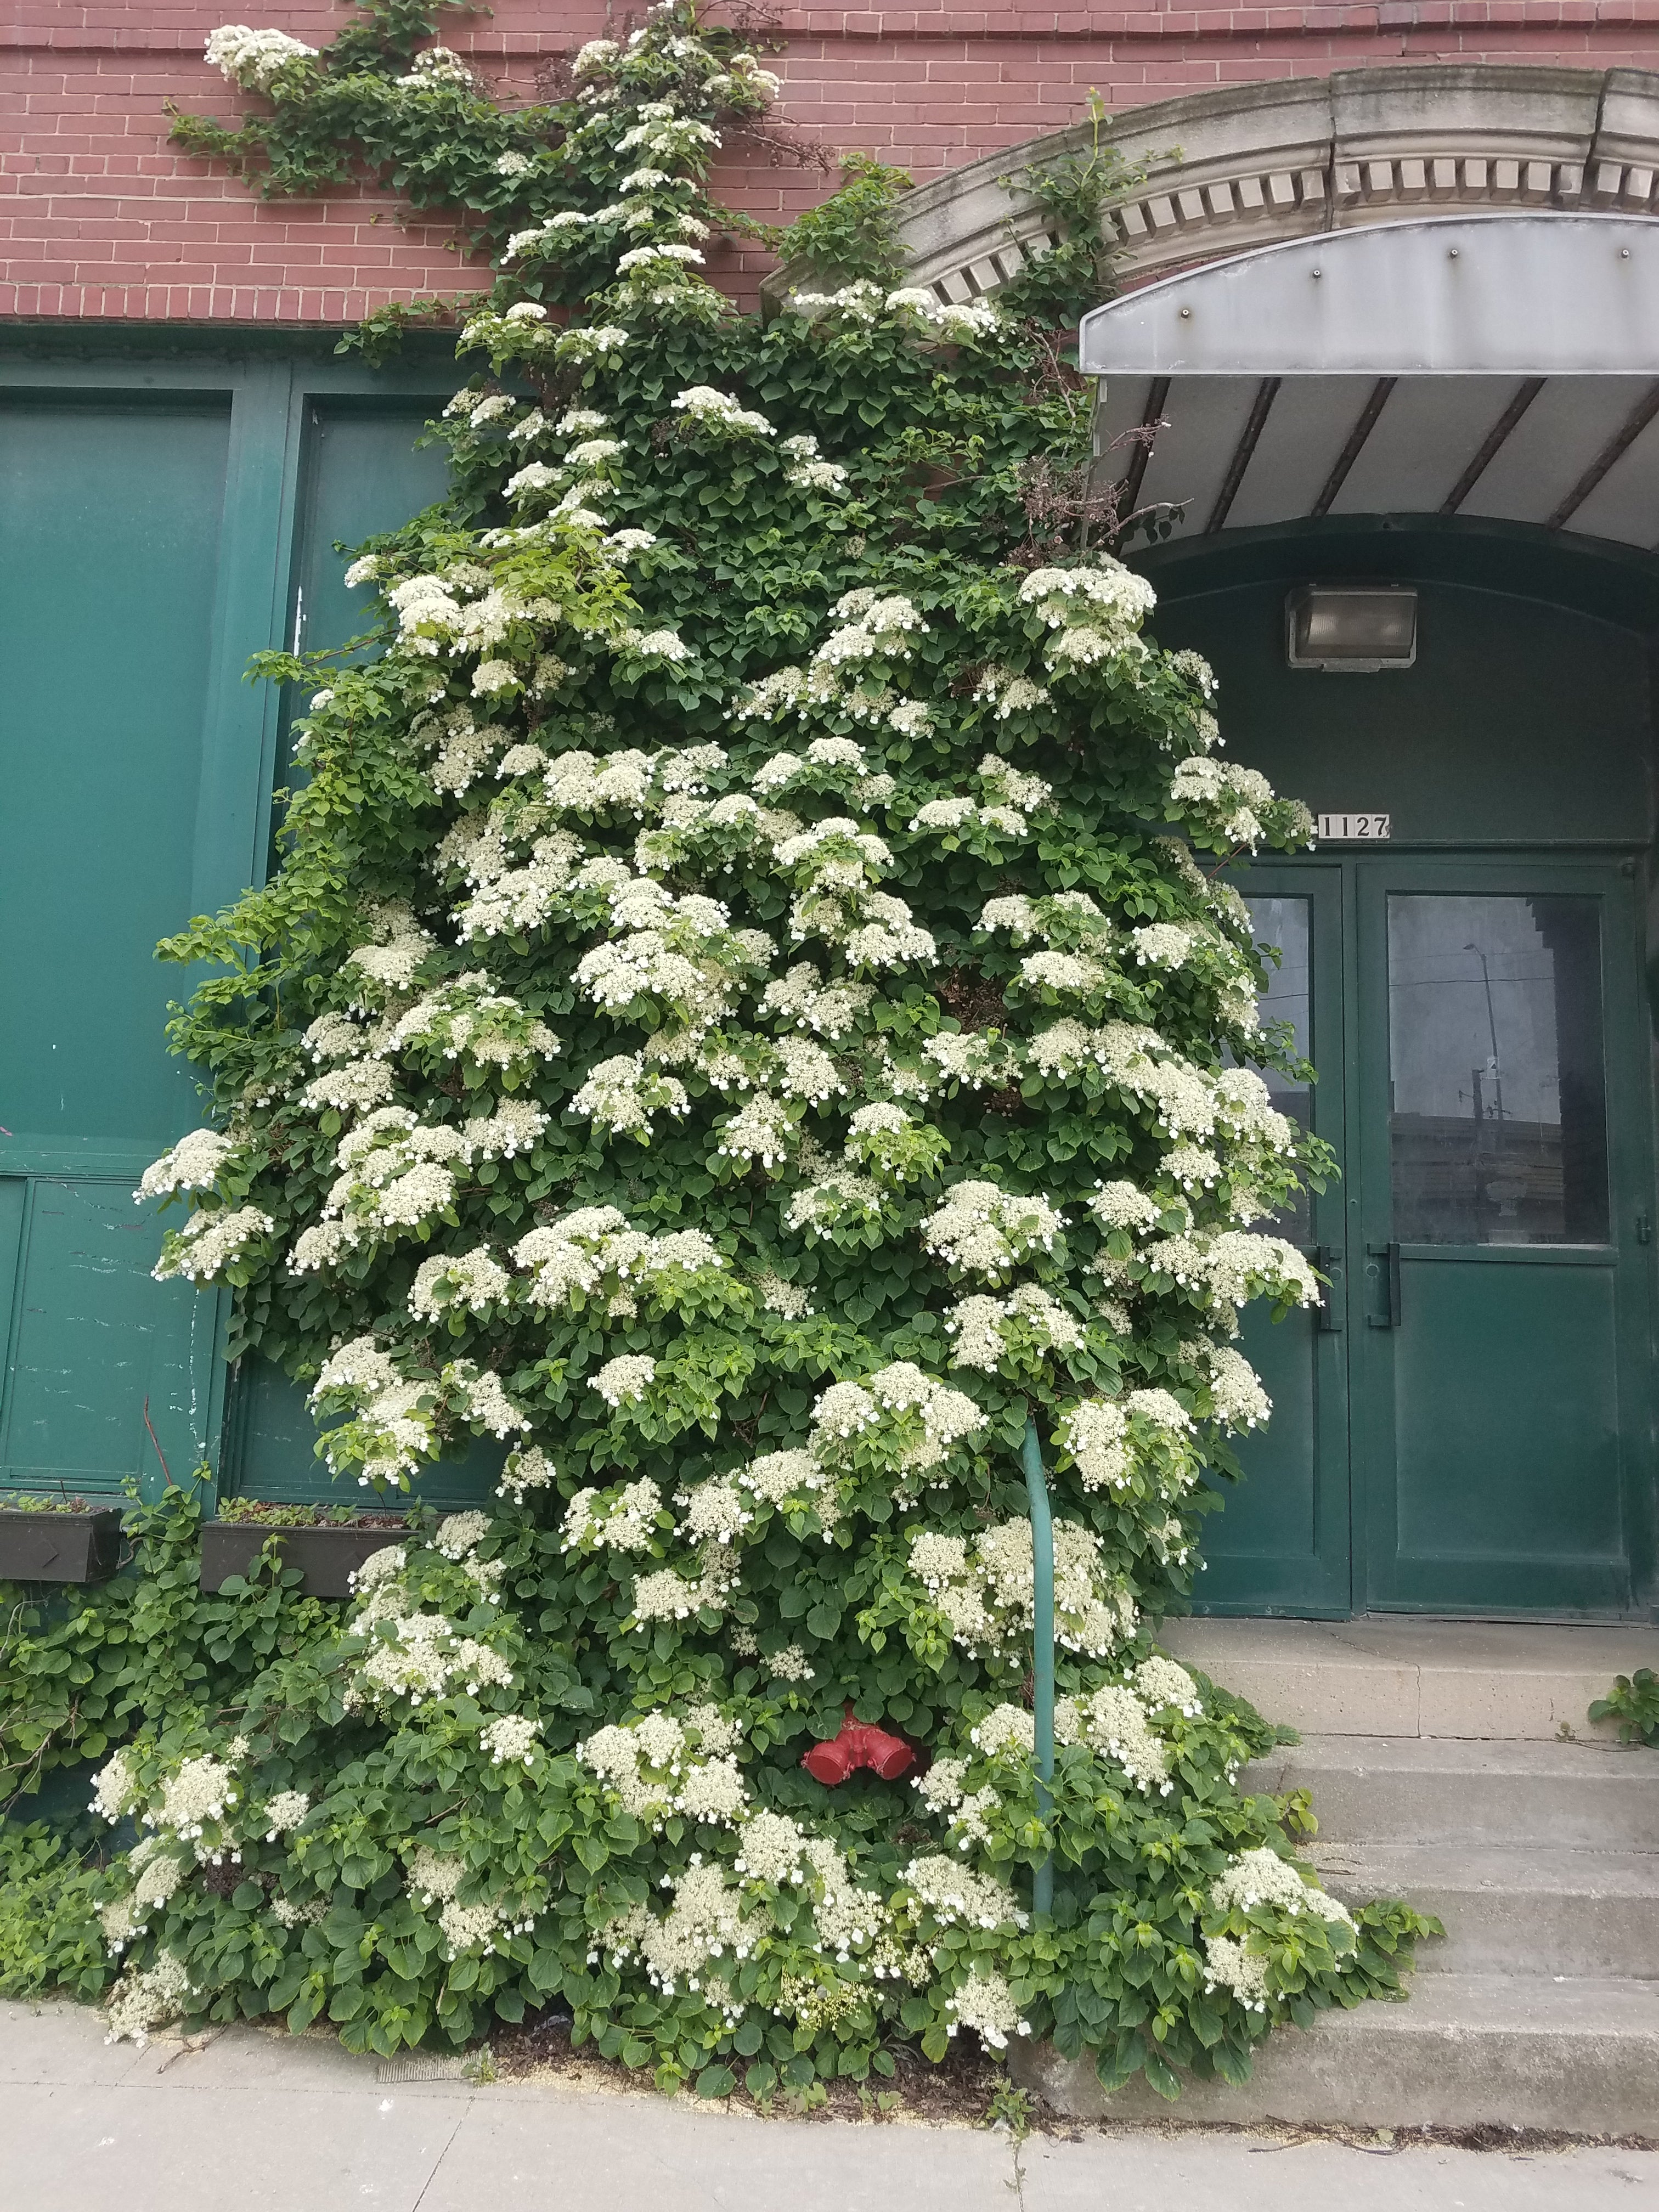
(60, 1547)
(327, 1558)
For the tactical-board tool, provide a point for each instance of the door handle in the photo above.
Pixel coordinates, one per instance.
(1328, 1258)
(1390, 1254)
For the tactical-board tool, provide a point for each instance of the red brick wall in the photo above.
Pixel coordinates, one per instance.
(100, 217)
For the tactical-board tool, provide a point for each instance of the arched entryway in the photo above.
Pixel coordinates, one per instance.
(1466, 1426)
(1415, 478)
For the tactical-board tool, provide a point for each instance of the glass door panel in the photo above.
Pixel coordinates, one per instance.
(1279, 1543)
(1497, 1092)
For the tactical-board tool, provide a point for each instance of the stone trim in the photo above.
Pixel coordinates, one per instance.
(1254, 164)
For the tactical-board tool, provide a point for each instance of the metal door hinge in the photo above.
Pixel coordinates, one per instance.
(1645, 1229)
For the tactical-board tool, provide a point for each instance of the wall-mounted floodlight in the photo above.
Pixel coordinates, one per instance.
(1351, 628)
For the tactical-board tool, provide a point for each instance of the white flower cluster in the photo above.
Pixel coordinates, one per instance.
(434, 67)
(957, 1897)
(209, 1242)
(983, 2001)
(702, 403)
(193, 1163)
(1262, 1877)
(984, 1587)
(283, 1812)
(1019, 1328)
(143, 2001)
(1096, 610)
(760, 1133)
(395, 1173)
(197, 1797)
(1225, 1268)
(511, 1741)
(621, 1520)
(527, 1468)
(981, 1229)
(662, 1766)
(396, 947)
(1229, 1965)
(668, 1594)
(467, 1282)
(1161, 1682)
(970, 1057)
(1238, 1400)
(1114, 1720)
(1226, 797)
(592, 1255)
(861, 306)
(466, 1019)
(704, 1925)
(418, 1655)
(803, 998)
(623, 1098)
(914, 1420)
(1008, 693)
(807, 469)
(252, 58)
(1146, 1431)
(114, 1788)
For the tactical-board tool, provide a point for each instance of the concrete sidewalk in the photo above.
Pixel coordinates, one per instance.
(255, 2120)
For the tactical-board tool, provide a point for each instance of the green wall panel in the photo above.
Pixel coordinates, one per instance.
(109, 532)
(96, 1347)
(1527, 717)
(274, 1450)
(1518, 722)
(362, 472)
(111, 513)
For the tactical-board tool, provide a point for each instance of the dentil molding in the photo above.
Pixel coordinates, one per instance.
(1250, 164)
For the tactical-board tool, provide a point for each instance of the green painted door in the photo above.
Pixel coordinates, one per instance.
(1500, 1331)
(1467, 1426)
(1281, 1543)
(111, 518)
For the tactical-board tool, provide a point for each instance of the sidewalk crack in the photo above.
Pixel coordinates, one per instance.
(438, 2161)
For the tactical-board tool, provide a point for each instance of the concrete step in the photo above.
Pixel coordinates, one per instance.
(1423, 1789)
(1397, 1674)
(1465, 2051)
(1527, 1911)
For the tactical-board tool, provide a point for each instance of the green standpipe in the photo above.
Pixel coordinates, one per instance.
(1042, 1654)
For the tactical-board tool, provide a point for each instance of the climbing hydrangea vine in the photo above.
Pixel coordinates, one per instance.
(749, 1010)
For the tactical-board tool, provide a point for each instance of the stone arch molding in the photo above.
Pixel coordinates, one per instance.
(1254, 164)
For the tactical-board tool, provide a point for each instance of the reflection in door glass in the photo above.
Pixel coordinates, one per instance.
(1498, 1112)
(1284, 924)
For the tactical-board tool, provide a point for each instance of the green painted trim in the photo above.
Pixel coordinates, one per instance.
(24, 340)
(238, 732)
(70, 1156)
(205, 374)
(1042, 1654)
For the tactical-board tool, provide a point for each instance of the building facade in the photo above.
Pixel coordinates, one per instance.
(1385, 366)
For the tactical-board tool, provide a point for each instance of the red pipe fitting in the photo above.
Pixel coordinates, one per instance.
(860, 1743)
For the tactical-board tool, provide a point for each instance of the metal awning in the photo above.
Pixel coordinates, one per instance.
(1502, 366)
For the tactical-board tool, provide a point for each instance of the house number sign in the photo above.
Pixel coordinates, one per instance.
(1353, 826)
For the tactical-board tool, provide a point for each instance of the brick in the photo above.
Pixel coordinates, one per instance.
(101, 205)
